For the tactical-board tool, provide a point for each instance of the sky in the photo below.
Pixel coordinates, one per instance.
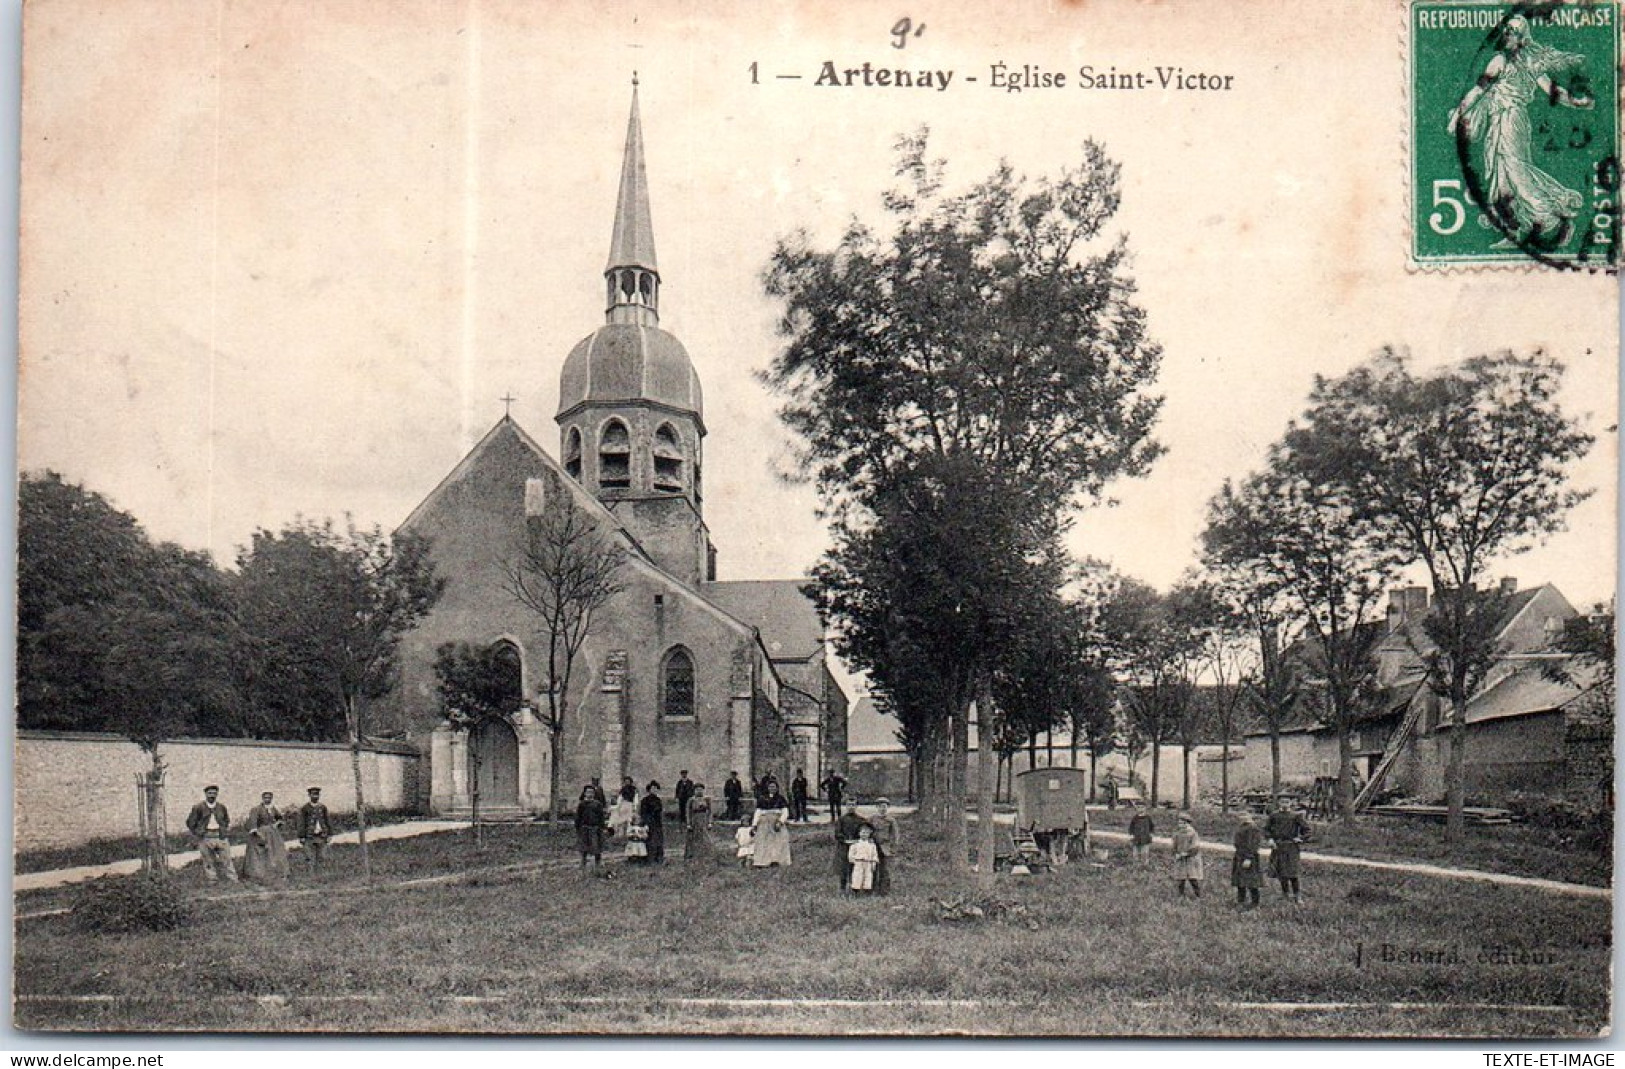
(284, 258)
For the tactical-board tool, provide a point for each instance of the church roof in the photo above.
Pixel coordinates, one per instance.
(786, 617)
(621, 362)
(633, 243)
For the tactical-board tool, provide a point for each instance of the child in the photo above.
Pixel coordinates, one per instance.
(1188, 856)
(745, 844)
(1139, 831)
(865, 858)
(637, 844)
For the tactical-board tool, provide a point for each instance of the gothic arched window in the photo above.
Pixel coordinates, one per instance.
(572, 454)
(668, 456)
(614, 456)
(677, 686)
(508, 674)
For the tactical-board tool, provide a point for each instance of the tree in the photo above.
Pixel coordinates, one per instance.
(1305, 542)
(336, 603)
(932, 598)
(1154, 655)
(985, 331)
(117, 634)
(476, 685)
(1456, 469)
(566, 572)
(1226, 657)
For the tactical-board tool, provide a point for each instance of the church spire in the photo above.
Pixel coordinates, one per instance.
(633, 277)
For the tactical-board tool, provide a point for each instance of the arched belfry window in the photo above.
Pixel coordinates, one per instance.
(614, 456)
(677, 685)
(508, 675)
(572, 454)
(668, 456)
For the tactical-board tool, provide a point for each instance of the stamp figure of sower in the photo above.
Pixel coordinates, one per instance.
(1525, 202)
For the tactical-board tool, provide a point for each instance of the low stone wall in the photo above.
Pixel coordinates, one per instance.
(72, 788)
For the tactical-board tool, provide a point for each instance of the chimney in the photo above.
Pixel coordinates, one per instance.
(1509, 587)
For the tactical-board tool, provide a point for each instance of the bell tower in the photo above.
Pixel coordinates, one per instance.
(631, 416)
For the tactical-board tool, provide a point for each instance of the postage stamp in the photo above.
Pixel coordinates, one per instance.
(1515, 134)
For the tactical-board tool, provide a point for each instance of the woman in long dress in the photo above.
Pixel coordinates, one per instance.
(1524, 201)
(623, 812)
(1188, 857)
(772, 837)
(265, 861)
(697, 845)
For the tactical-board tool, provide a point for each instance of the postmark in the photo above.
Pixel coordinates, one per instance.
(1514, 140)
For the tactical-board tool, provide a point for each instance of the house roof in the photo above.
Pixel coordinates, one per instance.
(1521, 692)
(787, 617)
(868, 730)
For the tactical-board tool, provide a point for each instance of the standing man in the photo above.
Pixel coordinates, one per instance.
(1286, 829)
(685, 791)
(798, 797)
(1140, 828)
(208, 823)
(834, 787)
(733, 791)
(315, 829)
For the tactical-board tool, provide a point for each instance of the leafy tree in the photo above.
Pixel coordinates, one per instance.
(333, 606)
(991, 332)
(476, 686)
(566, 572)
(117, 634)
(1154, 656)
(1456, 468)
(1227, 659)
(1305, 542)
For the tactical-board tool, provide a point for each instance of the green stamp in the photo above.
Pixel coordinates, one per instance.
(1515, 133)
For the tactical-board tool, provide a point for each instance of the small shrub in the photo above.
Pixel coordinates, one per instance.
(142, 903)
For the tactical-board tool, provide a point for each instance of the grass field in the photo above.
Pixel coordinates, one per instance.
(1516, 850)
(705, 948)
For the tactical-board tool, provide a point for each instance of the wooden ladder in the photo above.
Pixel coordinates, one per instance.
(1390, 753)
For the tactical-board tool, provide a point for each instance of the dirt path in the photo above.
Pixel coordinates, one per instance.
(1416, 868)
(39, 881)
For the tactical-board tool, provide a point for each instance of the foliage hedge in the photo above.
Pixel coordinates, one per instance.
(120, 905)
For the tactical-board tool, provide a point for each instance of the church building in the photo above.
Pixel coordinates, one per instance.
(680, 670)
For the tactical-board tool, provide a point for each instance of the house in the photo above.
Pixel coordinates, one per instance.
(1525, 723)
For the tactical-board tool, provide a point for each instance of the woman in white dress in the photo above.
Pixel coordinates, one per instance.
(772, 838)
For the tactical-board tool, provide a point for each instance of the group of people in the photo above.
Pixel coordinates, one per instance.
(265, 858)
(1285, 829)
(639, 821)
(767, 791)
(761, 840)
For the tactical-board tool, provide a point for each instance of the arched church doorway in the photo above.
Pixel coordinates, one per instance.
(497, 758)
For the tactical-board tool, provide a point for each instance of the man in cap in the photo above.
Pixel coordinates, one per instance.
(315, 829)
(208, 823)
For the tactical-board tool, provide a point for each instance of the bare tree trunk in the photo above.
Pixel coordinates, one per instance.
(555, 769)
(1345, 775)
(1224, 773)
(474, 789)
(1275, 761)
(986, 834)
(157, 831)
(954, 797)
(1072, 740)
(1156, 769)
(1455, 772)
(1092, 766)
(1185, 773)
(352, 717)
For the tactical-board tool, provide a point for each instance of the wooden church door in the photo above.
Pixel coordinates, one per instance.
(498, 748)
